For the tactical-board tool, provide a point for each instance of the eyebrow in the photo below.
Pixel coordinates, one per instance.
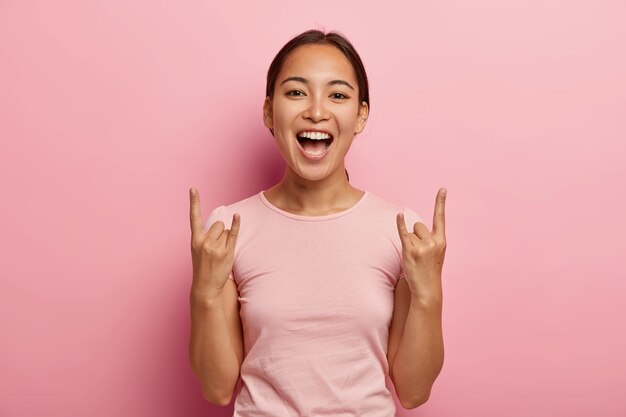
(304, 80)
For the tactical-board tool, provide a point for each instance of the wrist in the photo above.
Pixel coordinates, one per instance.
(203, 296)
(431, 299)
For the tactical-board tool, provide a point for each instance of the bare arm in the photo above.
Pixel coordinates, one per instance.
(419, 355)
(215, 344)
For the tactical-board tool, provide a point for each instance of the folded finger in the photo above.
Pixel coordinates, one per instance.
(421, 230)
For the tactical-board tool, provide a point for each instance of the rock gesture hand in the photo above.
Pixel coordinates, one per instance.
(423, 252)
(212, 252)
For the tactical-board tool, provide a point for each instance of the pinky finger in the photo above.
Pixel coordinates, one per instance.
(401, 224)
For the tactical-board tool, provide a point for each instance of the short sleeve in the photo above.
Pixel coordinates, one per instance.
(410, 218)
(215, 215)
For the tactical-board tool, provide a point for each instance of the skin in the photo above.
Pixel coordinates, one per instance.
(415, 350)
(216, 339)
(315, 187)
(415, 347)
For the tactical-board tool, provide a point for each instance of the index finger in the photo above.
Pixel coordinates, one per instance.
(195, 215)
(439, 217)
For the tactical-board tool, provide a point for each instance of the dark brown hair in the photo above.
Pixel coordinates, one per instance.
(314, 36)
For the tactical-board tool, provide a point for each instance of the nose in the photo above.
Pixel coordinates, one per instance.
(316, 110)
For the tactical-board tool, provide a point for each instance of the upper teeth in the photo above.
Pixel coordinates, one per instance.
(314, 135)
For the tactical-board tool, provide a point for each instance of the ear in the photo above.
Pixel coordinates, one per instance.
(268, 118)
(362, 117)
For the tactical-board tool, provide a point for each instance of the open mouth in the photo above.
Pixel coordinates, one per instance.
(314, 142)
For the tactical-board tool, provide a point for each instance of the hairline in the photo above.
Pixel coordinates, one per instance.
(326, 41)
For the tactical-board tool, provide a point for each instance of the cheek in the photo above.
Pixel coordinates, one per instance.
(283, 115)
(348, 119)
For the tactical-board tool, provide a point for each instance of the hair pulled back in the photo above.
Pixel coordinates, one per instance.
(314, 36)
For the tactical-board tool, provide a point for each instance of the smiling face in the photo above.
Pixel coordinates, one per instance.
(315, 91)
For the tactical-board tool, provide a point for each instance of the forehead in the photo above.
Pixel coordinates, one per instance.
(317, 61)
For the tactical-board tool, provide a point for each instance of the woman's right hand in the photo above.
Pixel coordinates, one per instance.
(212, 252)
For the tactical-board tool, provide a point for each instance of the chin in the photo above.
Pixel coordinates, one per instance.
(313, 174)
(311, 177)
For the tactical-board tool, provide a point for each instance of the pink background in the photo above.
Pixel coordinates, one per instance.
(111, 110)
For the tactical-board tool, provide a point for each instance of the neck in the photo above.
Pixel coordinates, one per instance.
(299, 195)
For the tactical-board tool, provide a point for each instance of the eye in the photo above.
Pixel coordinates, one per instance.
(339, 96)
(295, 93)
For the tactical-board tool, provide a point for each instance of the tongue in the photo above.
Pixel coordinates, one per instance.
(314, 146)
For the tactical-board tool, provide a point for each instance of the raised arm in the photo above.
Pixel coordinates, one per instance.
(216, 342)
(416, 351)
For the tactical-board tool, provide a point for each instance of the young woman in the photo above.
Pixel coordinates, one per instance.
(314, 296)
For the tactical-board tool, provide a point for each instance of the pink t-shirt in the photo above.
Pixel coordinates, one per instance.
(316, 296)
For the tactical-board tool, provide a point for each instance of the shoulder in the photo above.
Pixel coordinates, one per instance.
(245, 207)
(389, 209)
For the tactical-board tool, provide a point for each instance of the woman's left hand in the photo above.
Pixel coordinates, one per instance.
(423, 252)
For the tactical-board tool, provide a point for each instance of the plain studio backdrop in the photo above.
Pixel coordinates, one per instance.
(111, 110)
